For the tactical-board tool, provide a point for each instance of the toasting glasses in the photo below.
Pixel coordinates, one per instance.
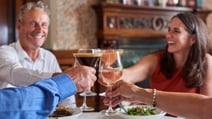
(110, 71)
(88, 57)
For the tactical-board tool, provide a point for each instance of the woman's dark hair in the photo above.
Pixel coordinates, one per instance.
(193, 72)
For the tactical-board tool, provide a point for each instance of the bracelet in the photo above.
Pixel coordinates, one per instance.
(154, 98)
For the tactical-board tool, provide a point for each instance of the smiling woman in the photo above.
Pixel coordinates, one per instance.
(184, 65)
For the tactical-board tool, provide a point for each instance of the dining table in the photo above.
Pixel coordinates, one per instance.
(98, 115)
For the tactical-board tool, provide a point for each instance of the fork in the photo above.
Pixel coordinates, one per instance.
(122, 107)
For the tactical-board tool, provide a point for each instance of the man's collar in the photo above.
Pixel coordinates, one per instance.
(23, 54)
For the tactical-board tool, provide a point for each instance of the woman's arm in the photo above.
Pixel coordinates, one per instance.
(191, 106)
(206, 89)
(141, 70)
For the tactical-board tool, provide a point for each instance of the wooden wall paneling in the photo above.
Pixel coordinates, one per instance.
(6, 21)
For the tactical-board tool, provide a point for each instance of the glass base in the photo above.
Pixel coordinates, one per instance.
(86, 108)
(87, 94)
(102, 94)
(109, 112)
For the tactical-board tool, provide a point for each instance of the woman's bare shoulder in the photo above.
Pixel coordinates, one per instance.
(209, 59)
(154, 55)
(150, 57)
(150, 60)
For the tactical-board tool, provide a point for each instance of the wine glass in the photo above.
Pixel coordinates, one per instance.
(88, 57)
(110, 71)
(121, 51)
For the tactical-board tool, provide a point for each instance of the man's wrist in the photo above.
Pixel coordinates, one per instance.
(55, 74)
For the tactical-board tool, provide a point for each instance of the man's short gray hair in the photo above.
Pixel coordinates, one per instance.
(30, 6)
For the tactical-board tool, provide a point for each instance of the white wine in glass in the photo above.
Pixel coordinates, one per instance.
(110, 71)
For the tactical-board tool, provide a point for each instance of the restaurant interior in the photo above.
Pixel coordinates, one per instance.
(137, 28)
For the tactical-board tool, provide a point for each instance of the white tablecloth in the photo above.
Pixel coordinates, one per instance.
(96, 115)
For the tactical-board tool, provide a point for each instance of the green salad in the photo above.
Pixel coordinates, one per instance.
(141, 111)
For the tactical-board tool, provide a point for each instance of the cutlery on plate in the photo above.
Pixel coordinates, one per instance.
(122, 107)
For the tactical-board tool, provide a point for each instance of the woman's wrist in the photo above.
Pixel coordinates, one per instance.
(145, 96)
(154, 103)
(142, 95)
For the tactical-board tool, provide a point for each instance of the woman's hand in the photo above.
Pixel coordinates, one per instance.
(101, 82)
(121, 91)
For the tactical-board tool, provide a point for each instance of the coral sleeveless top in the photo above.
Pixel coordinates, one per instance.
(174, 84)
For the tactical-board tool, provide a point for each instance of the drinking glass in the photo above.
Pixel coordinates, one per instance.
(110, 71)
(121, 51)
(88, 57)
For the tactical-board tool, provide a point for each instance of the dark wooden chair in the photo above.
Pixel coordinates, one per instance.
(65, 58)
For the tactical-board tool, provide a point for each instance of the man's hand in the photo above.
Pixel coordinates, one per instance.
(83, 76)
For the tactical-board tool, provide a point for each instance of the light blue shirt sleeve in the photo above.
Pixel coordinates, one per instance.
(36, 101)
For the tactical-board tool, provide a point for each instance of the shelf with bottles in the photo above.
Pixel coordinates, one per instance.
(193, 4)
(119, 21)
(143, 7)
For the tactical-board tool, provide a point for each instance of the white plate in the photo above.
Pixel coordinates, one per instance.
(159, 114)
(76, 113)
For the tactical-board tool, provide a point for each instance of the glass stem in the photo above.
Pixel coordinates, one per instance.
(84, 101)
(110, 109)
